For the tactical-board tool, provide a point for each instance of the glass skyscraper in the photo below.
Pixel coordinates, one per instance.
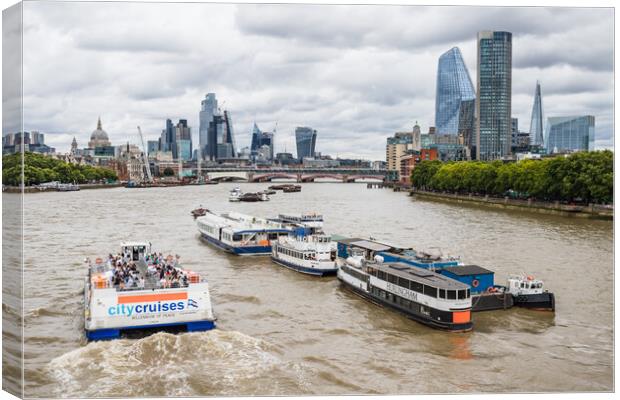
(455, 96)
(208, 109)
(494, 91)
(306, 142)
(536, 126)
(570, 134)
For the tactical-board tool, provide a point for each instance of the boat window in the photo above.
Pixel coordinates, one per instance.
(403, 282)
(522, 285)
(461, 294)
(273, 236)
(416, 286)
(392, 279)
(442, 293)
(451, 294)
(237, 237)
(468, 294)
(430, 291)
(381, 275)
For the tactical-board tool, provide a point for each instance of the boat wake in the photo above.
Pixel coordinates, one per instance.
(190, 364)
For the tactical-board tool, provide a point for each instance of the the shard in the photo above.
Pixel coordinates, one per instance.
(536, 126)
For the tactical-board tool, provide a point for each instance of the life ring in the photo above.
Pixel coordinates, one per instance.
(475, 283)
(530, 278)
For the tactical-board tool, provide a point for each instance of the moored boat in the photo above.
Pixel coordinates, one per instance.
(199, 212)
(292, 188)
(139, 290)
(253, 197)
(235, 194)
(529, 292)
(422, 295)
(239, 233)
(307, 249)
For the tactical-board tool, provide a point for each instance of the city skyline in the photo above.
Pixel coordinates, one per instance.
(312, 77)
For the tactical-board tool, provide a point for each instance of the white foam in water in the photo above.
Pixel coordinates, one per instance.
(202, 363)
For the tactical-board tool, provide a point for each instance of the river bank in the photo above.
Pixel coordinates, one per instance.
(590, 211)
(35, 189)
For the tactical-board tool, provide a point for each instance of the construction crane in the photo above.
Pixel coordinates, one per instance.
(145, 159)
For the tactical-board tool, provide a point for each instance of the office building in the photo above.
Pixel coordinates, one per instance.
(208, 110)
(536, 125)
(494, 91)
(305, 139)
(260, 139)
(152, 147)
(396, 148)
(455, 97)
(221, 138)
(566, 134)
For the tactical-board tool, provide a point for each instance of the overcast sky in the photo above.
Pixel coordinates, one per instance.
(356, 74)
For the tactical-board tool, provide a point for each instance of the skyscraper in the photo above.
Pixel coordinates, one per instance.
(455, 96)
(494, 93)
(570, 134)
(305, 138)
(259, 139)
(220, 138)
(207, 111)
(536, 125)
(255, 139)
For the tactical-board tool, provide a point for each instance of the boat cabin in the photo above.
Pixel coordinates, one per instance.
(478, 278)
(135, 250)
(524, 285)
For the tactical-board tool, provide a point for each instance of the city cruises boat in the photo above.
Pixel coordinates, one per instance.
(420, 294)
(235, 195)
(127, 293)
(240, 234)
(307, 249)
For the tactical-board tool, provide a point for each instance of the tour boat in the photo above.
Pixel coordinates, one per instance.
(239, 233)
(235, 194)
(253, 197)
(420, 294)
(147, 303)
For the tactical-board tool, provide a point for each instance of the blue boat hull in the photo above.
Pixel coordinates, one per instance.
(241, 251)
(305, 270)
(108, 334)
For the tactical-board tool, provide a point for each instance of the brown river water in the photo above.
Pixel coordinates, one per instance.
(284, 333)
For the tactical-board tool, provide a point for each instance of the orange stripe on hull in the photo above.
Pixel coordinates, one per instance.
(152, 297)
(461, 317)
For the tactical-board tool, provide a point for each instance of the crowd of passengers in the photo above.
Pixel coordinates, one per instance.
(122, 272)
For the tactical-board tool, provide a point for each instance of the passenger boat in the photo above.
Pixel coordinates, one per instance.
(235, 194)
(307, 249)
(422, 295)
(486, 294)
(239, 233)
(146, 302)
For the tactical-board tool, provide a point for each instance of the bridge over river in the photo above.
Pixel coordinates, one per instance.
(297, 174)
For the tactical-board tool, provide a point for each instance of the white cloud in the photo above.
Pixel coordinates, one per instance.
(354, 73)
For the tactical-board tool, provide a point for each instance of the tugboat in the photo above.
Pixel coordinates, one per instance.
(529, 293)
(240, 234)
(127, 293)
(422, 295)
(307, 250)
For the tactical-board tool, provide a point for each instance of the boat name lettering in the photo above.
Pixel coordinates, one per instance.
(402, 291)
(147, 308)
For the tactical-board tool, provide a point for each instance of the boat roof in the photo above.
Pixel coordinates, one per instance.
(366, 244)
(420, 275)
(132, 244)
(468, 270)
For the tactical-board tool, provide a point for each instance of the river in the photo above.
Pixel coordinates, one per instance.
(284, 333)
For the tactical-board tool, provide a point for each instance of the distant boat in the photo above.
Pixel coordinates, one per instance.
(292, 189)
(251, 197)
(235, 194)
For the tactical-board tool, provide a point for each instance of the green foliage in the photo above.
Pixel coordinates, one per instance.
(584, 177)
(39, 169)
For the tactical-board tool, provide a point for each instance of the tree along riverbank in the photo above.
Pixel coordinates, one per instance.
(38, 169)
(595, 211)
(582, 178)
